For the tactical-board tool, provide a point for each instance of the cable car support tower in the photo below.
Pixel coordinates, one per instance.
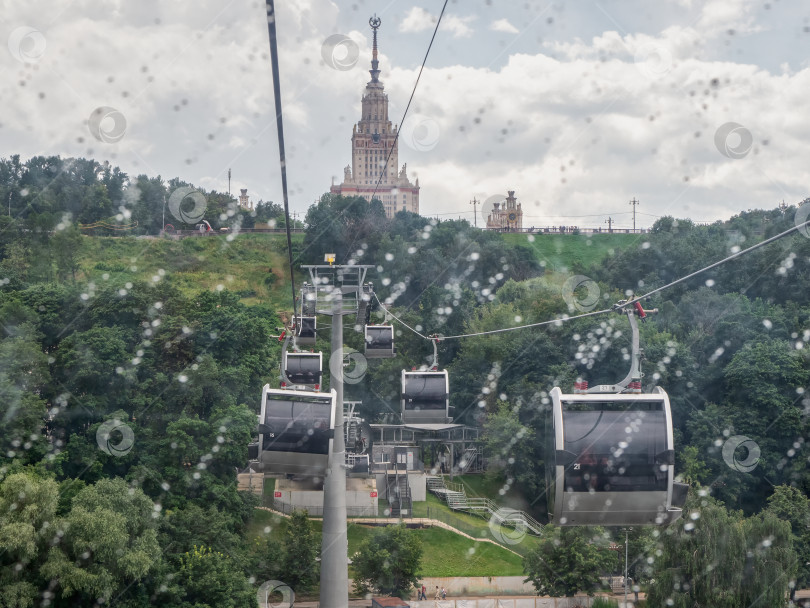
(336, 290)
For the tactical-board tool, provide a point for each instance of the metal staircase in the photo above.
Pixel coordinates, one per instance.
(399, 490)
(456, 498)
(399, 495)
(351, 432)
(472, 461)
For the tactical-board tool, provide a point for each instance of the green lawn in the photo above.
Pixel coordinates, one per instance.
(448, 554)
(241, 264)
(466, 522)
(264, 522)
(471, 524)
(445, 553)
(489, 486)
(559, 252)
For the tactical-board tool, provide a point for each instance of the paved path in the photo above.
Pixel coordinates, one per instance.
(803, 594)
(367, 603)
(419, 521)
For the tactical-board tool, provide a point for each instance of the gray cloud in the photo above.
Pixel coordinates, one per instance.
(575, 124)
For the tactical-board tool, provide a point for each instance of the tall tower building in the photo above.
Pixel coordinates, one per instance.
(373, 137)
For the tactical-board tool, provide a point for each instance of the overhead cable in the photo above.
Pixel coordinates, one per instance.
(413, 92)
(621, 306)
(271, 27)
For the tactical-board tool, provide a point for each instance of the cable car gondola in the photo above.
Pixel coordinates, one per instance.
(308, 300)
(611, 454)
(379, 342)
(425, 397)
(302, 370)
(613, 459)
(296, 430)
(305, 331)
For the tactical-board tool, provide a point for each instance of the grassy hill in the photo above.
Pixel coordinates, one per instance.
(239, 263)
(255, 265)
(561, 252)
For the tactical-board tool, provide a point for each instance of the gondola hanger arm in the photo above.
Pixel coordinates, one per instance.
(633, 378)
(434, 339)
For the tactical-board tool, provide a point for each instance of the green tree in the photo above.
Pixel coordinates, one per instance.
(210, 578)
(714, 557)
(388, 562)
(67, 244)
(510, 444)
(341, 225)
(569, 560)
(299, 566)
(23, 377)
(791, 505)
(27, 508)
(109, 541)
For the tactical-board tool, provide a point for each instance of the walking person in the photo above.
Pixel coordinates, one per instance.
(424, 593)
(444, 594)
(438, 595)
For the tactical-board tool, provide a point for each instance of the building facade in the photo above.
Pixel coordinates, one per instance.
(244, 200)
(507, 215)
(375, 155)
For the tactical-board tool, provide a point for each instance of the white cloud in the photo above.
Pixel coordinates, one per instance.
(576, 126)
(418, 20)
(579, 136)
(459, 26)
(503, 25)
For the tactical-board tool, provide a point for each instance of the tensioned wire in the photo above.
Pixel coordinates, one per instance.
(616, 307)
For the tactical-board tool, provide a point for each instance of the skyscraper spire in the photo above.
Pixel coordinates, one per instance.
(374, 22)
(375, 153)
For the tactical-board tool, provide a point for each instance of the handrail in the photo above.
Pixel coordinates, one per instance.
(492, 508)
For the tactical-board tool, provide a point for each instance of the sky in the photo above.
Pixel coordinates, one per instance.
(693, 108)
